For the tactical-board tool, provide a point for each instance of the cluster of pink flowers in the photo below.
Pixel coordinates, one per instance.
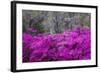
(74, 44)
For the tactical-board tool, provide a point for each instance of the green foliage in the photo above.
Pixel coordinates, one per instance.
(39, 28)
(87, 24)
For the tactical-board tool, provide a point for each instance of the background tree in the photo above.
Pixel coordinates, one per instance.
(51, 22)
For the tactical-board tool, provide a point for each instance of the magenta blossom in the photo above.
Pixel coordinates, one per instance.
(74, 44)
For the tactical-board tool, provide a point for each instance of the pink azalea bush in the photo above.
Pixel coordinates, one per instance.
(74, 44)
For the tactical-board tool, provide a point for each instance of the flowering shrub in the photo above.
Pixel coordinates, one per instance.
(74, 44)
